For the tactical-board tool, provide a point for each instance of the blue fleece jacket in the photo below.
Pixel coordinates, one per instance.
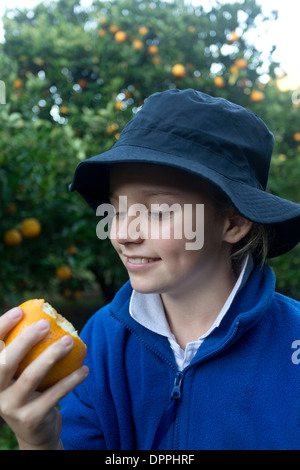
(241, 390)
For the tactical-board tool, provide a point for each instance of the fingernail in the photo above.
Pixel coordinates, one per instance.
(42, 325)
(85, 370)
(67, 340)
(15, 313)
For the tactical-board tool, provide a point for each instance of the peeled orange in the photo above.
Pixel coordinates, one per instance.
(35, 310)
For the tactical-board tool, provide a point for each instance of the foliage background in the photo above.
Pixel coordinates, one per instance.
(71, 87)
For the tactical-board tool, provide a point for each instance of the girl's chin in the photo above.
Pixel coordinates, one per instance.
(146, 286)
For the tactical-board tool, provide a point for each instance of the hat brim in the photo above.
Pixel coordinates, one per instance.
(282, 217)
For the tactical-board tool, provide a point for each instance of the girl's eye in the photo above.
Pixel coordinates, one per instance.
(120, 214)
(160, 215)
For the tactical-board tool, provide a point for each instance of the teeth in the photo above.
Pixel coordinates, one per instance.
(140, 260)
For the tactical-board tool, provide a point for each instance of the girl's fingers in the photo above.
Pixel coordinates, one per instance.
(44, 402)
(9, 320)
(18, 348)
(34, 373)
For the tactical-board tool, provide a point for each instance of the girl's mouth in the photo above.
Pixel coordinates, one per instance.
(137, 263)
(141, 260)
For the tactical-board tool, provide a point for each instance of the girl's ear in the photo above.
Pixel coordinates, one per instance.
(236, 227)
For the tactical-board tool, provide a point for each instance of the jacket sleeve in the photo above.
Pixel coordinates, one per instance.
(81, 429)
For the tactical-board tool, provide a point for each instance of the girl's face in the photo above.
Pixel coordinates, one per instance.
(152, 245)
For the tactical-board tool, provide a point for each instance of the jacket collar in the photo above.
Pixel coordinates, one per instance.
(247, 308)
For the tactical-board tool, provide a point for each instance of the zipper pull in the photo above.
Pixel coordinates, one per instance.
(176, 391)
(169, 414)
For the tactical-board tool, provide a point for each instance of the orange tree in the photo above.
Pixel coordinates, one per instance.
(74, 77)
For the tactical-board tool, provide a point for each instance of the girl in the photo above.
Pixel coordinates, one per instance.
(197, 350)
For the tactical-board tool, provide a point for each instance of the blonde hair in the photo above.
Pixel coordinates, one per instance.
(255, 242)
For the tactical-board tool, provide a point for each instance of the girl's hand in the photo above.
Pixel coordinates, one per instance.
(32, 415)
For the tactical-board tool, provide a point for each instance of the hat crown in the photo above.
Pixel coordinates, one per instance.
(207, 130)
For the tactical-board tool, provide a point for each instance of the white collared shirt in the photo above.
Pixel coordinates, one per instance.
(147, 309)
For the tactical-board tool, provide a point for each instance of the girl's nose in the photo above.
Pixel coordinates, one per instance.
(126, 229)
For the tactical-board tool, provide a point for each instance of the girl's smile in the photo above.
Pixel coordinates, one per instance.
(140, 263)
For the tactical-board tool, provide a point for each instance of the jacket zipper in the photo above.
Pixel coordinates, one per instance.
(176, 393)
(176, 390)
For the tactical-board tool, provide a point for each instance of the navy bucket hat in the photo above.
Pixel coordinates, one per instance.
(210, 137)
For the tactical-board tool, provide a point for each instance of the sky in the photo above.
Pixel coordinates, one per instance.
(284, 33)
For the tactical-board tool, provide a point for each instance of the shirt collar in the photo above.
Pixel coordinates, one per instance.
(147, 309)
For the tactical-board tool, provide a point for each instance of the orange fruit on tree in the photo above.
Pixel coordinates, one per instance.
(297, 136)
(113, 28)
(234, 70)
(10, 209)
(243, 82)
(64, 109)
(82, 83)
(111, 128)
(178, 70)
(67, 293)
(63, 272)
(219, 82)
(153, 49)
(78, 294)
(72, 250)
(38, 309)
(156, 60)
(143, 30)
(241, 63)
(31, 228)
(119, 105)
(12, 237)
(138, 44)
(257, 96)
(18, 83)
(120, 36)
(233, 37)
